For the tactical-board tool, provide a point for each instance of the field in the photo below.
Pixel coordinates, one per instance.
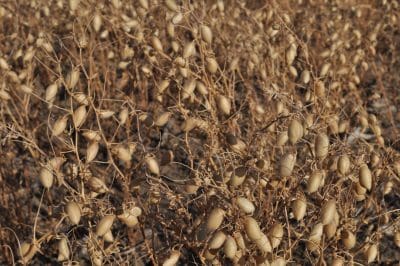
(210, 132)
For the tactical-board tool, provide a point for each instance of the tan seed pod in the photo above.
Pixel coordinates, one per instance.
(212, 65)
(171, 31)
(324, 69)
(276, 235)
(328, 212)
(74, 212)
(81, 98)
(144, 4)
(108, 237)
(320, 89)
(314, 182)
(79, 116)
(245, 205)
(27, 251)
(396, 238)
(123, 115)
(63, 249)
(371, 253)
(56, 162)
(238, 176)
(291, 54)
(206, 34)
(343, 164)
(173, 259)
(305, 76)
(295, 131)
(215, 219)
(315, 237)
(163, 119)
(278, 262)
(177, 18)
(73, 4)
(46, 177)
(72, 78)
(330, 230)
(59, 126)
(4, 95)
(51, 92)
(123, 153)
(224, 105)
(365, 177)
(217, 240)
(97, 22)
(189, 50)
(156, 43)
(91, 151)
(282, 138)
(230, 248)
(152, 165)
(299, 207)
(104, 225)
(104, 114)
(293, 71)
(287, 164)
(128, 219)
(321, 145)
(91, 135)
(201, 88)
(189, 124)
(3, 64)
(188, 88)
(387, 187)
(348, 239)
(25, 89)
(97, 185)
(263, 244)
(252, 229)
(171, 5)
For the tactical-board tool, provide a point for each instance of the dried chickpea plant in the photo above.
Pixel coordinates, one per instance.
(171, 132)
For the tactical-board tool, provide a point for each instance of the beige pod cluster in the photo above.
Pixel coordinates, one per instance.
(287, 164)
(230, 247)
(255, 234)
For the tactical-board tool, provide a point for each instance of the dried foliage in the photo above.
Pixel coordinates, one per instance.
(223, 132)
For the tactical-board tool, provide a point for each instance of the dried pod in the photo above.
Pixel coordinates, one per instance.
(295, 131)
(201, 88)
(212, 65)
(238, 176)
(128, 219)
(104, 114)
(188, 50)
(396, 238)
(188, 88)
(230, 248)
(59, 126)
(275, 235)
(72, 78)
(321, 146)
(263, 243)
(371, 253)
(79, 116)
(73, 4)
(74, 212)
(305, 76)
(97, 185)
(217, 240)
(324, 69)
(365, 177)
(163, 119)
(91, 135)
(299, 207)
(123, 115)
(156, 43)
(123, 153)
(314, 182)
(55, 163)
(81, 98)
(330, 230)
(343, 164)
(26, 89)
(328, 212)
(287, 164)
(172, 259)
(387, 187)
(144, 4)
(51, 92)
(206, 34)
(46, 177)
(171, 5)
(215, 219)
(245, 205)
(108, 237)
(27, 251)
(91, 151)
(4, 95)
(63, 249)
(282, 138)
(348, 239)
(252, 228)
(224, 105)
(104, 225)
(152, 165)
(97, 22)
(315, 237)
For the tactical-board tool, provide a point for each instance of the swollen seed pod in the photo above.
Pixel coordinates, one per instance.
(26, 89)
(156, 43)
(315, 237)
(79, 116)
(348, 239)
(27, 252)
(291, 54)
(212, 65)
(97, 185)
(73, 4)
(201, 88)
(152, 165)
(104, 225)
(108, 237)
(230, 248)
(217, 240)
(238, 176)
(4, 95)
(91, 151)
(206, 34)
(324, 69)
(371, 253)
(224, 105)
(72, 78)
(275, 235)
(63, 249)
(328, 212)
(295, 131)
(245, 205)
(97, 22)
(171, 5)
(215, 219)
(144, 4)
(46, 177)
(163, 119)
(177, 18)
(128, 219)
(56, 162)
(299, 207)
(91, 135)
(330, 230)
(321, 146)
(283, 137)
(343, 164)
(188, 88)
(305, 76)
(59, 126)
(74, 212)
(51, 92)
(81, 98)
(252, 228)
(396, 238)
(287, 164)
(172, 259)
(365, 177)
(123, 115)
(314, 182)
(188, 50)
(263, 243)
(104, 114)
(4, 65)
(123, 153)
